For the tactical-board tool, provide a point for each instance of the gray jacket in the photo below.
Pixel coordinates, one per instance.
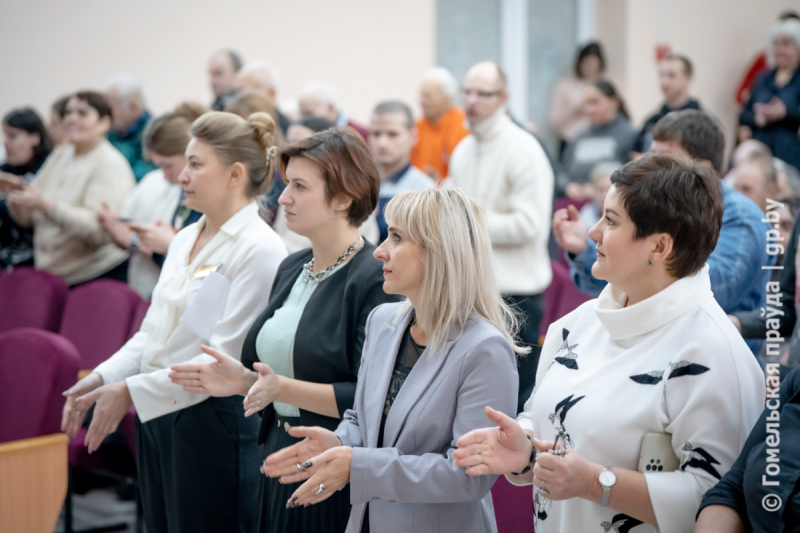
(412, 484)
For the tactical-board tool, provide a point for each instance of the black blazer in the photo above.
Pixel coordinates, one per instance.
(330, 335)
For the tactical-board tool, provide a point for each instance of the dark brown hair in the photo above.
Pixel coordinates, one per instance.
(609, 91)
(170, 133)
(347, 168)
(95, 100)
(697, 132)
(667, 194)
(590, 49)
(60, 105)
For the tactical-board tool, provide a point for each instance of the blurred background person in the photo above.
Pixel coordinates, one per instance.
(223, 66)
(442, 125)
(197, 458)
(129, 110)
(506, 171)
(306, 127)
(675, 76)
(568, 114)
(320, 99)
(55, 124)
(756, 178)
(445, 353)
(61, 204)
(264, 78)
(749, 149)
(156, 197)
(772, 113)
(246, 103)
(597, 189)
(609, 137)
(301, 358)
(392, 136)
(27, 145)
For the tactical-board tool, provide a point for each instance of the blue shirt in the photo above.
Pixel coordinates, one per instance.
(737, 279)
(408, 179)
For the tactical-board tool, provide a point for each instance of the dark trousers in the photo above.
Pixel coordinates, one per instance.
(530, 308)
(198, 469)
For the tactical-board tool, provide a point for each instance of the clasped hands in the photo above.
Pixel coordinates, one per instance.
(505, 449)
(112, 402)
(20, 193)
(772, 111)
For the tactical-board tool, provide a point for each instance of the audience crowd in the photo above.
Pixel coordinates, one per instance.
(375, 293)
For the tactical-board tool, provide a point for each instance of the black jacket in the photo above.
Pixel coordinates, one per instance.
(330, 336)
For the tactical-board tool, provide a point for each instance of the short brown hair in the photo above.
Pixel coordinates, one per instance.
(667, 194)
(236, 140)
(347, 168)
(169, 134)
(95, 100)
(697, 132)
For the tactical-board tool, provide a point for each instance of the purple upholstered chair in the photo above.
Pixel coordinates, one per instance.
(97, 319)
(513, 507)
(36, 366)
(31, 298)
(560, 298)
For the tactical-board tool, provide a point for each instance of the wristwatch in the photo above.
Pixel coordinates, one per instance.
(607, 479)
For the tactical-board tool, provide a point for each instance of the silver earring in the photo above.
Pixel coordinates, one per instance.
(651, 262)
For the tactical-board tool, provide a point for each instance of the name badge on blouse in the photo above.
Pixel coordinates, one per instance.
(204, 271)
(208, 307)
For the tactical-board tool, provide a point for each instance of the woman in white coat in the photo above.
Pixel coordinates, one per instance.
(652, 367)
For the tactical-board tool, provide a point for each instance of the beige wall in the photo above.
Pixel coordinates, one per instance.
(369, 49)
(720, 36)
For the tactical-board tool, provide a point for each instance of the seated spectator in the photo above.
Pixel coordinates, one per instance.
(788, 178)
(442, 126)
(749, 149)
(298, 131)
(597, 189)
(391, 138)
(27, 146)
(62, 202)
(55, 127)
(319, 99)
(756, 178)
(223, 66)
(568, 116)
(129, 109)
(675, 74)
(609, 137)
(653, 355)
(246, 103)
(758, 493)
(155, 198)
(735, 266)
(773, 111)
(261, 77)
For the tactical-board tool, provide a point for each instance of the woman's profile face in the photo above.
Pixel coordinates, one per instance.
(204, 179)
(83, 124)
(621, 259)
(589, 67)
(171, 165)
(403, 264)
(305, 206)
(19, 145)
(786, 52)
(599, 108)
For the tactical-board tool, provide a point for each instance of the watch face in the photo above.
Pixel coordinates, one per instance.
(607, 478)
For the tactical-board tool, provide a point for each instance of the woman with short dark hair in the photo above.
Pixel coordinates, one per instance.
(301, 358)
(652, 369)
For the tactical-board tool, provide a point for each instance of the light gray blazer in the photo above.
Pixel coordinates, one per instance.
(412, 483)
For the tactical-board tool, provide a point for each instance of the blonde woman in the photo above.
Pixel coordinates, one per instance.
(197, 455)
(429, 367)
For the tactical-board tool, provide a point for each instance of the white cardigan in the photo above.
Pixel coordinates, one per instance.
(248, 253)
(503, 168)
(673, 364)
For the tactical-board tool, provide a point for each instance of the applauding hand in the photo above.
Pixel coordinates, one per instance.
(224, 377)
(283, 464)
(500, 450)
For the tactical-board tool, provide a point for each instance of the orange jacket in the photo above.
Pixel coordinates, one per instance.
(437, 141)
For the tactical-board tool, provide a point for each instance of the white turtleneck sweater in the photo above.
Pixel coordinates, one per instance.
(503, 168)
(672, 363)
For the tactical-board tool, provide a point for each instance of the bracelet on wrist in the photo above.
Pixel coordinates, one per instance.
(531, 461)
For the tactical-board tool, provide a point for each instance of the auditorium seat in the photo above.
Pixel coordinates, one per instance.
(513, 507)
(560, 298)
(31, 298)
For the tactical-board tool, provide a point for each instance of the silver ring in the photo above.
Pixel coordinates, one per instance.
(299, 468)
(322, 488)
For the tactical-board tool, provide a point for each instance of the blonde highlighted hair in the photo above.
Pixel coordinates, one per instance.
(459, 281)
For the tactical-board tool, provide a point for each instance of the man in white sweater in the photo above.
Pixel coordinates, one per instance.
(505, 169)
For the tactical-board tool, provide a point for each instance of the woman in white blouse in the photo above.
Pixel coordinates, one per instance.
(197, 456)
(653, 356)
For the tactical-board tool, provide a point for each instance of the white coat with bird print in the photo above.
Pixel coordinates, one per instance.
(609, 374)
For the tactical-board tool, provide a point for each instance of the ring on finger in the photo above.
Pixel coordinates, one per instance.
(322, 488)
(299, 468)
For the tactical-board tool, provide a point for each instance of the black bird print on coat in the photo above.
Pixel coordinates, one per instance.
(561, 410)
(569, 359)
(699, 458)
(621, 523)
(676, 370)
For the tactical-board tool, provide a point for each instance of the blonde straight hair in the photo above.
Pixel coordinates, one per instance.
(459, 280)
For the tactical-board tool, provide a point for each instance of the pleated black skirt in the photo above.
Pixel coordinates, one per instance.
(329, 516)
